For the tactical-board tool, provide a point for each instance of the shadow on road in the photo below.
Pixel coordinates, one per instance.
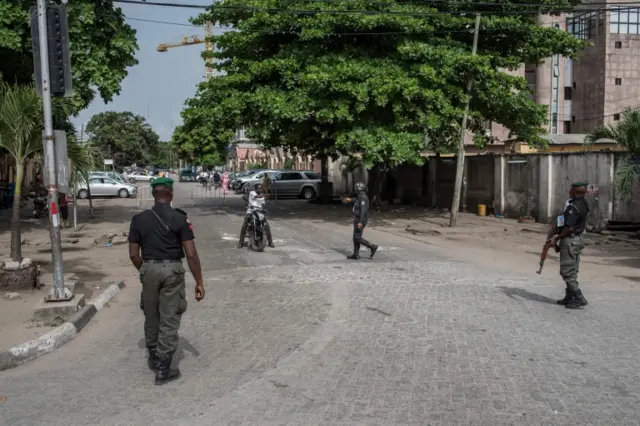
(512, 292)
(183, 345)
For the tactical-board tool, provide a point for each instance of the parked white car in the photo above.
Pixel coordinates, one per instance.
(106, 187)
(141, 177)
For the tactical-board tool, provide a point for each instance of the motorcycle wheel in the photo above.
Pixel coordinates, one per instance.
(257, 244)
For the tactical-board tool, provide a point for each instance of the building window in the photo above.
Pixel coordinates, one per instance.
(625, 20)
(567, 128)
(567, 93)
(618, 82)
(616, 117)
(573, 118)
(581, 25)
(618, 45)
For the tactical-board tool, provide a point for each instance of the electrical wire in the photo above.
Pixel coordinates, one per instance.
(460, 8)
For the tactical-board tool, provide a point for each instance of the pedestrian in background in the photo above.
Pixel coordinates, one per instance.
(164, 235)
(63, 202)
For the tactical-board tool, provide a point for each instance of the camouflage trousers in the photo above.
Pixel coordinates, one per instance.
(163, 302)
(570, 251)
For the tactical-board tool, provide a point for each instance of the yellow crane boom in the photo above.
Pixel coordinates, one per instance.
(189, 41)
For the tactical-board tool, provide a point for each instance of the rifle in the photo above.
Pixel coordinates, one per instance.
(546, 247)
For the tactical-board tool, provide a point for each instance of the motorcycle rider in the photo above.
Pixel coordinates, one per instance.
(255, 201)
(361, 213)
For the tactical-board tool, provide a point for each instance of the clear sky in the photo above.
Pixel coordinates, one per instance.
(159, 85)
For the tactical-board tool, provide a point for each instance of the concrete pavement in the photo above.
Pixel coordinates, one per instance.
(298, 335)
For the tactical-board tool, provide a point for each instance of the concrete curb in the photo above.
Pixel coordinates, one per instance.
(57, 337)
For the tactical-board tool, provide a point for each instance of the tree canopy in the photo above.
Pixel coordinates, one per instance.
(102, 46)
(124, 137)
(202, 138)
(378, 77)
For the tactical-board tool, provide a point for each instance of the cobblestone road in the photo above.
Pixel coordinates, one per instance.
(299, 336)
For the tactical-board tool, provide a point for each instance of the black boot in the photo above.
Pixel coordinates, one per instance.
(577, 301)
(153, 359)
(354, 256)
(567, 298)
(374, 249)
(165, 373)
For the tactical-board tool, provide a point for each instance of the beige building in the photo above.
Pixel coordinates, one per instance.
(603, 81)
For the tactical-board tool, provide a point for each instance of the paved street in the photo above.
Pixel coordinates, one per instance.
(298, 335)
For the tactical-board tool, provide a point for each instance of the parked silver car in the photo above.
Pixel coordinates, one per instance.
(111, 175)
(294, 183)
(238, 183)
(249, 182)
(106, 187)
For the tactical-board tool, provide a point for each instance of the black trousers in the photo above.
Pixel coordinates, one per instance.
(358, 239)
(243, 231)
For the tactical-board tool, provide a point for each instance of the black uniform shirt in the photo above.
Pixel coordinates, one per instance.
(158, 242)
(361, 208)
(575, 215)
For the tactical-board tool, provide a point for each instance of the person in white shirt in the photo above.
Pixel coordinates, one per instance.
(255, 201)
(204, 177)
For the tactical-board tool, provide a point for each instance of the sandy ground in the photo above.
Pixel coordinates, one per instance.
(93, 265)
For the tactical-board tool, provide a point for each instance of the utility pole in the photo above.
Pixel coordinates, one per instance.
(455, 205)
(75, 188)
(58, 293)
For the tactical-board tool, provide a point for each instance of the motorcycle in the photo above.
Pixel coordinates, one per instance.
(255, 229)
(40, 205)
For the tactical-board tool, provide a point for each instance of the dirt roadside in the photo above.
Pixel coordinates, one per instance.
(86, 259)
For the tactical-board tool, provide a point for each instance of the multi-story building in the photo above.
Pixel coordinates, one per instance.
(603, 81)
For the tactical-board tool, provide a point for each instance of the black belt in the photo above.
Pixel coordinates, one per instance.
(163, 261)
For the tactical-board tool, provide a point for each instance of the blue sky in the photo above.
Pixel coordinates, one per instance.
(159, 85)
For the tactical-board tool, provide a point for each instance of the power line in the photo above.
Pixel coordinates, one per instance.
(459, 8)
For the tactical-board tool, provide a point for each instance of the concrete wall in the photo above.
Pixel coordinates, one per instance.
(624, 210)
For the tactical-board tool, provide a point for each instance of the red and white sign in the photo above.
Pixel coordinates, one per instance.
(55, 218)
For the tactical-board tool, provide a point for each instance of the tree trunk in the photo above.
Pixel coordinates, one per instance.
(16, 237)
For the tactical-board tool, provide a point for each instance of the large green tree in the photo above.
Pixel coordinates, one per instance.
(379, 77)
(102, 45)
(202, 138)
(124, 137)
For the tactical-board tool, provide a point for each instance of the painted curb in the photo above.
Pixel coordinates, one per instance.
(57, 337)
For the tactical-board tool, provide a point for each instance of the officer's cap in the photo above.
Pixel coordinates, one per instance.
(579, 184)
(166, 182)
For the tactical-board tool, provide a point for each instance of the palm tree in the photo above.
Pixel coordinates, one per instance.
(626, 133)
(21, 125)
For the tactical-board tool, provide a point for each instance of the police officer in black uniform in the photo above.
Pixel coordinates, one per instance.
(570, 227)
(361, 213)
(164, 234)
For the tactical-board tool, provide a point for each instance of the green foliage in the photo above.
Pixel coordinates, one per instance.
(626, 133)
(375, 77)
(21, 126)
(164, 156)
(202, 139)
(103, 46)
(124, 137)
(288, 164)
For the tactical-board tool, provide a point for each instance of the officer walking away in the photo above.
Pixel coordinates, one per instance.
(164, 234)
(570, 227)
(361, 213)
